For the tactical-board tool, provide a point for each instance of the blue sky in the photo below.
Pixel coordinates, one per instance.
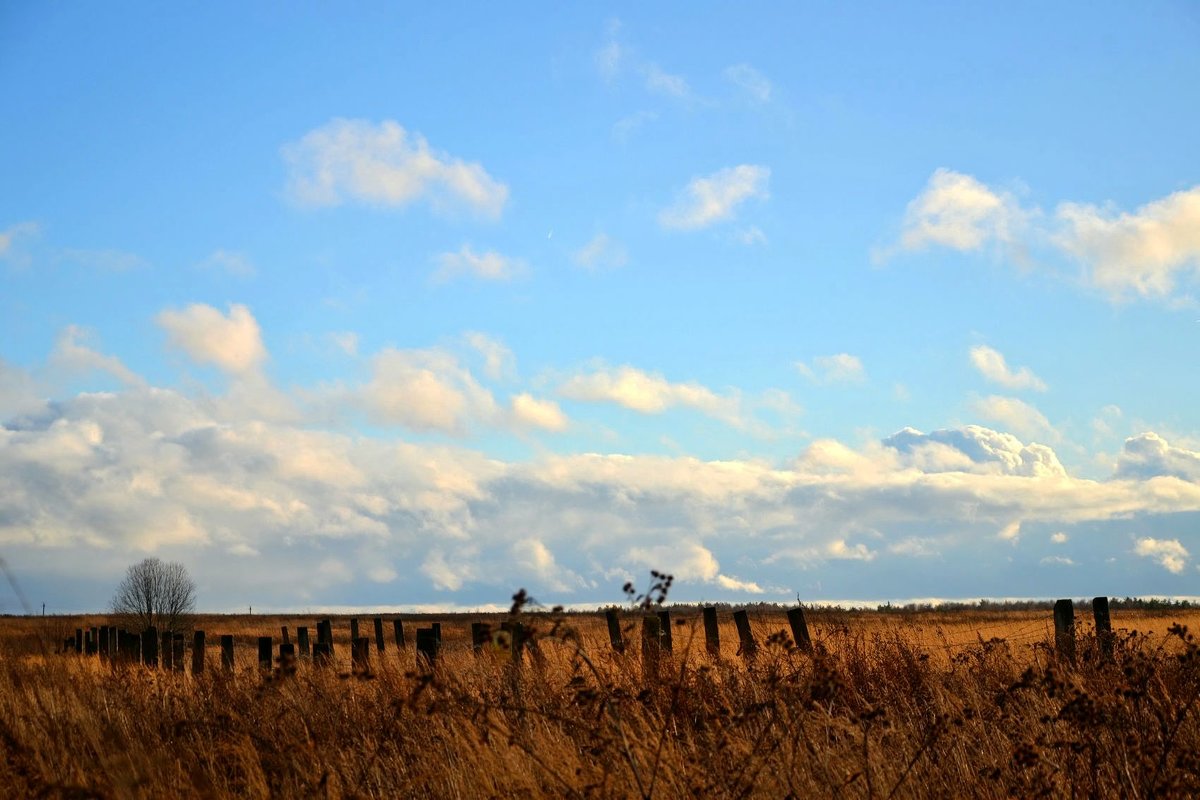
(404, 306)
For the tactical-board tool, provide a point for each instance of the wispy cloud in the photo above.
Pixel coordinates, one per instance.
(660, 81)
(753, 83)
(993, 366)
(1015, 415)
(839, 368)
(384, 165)
(602, 252)
(650, 393)
(714, 198)
(488, 266)
(231, 262)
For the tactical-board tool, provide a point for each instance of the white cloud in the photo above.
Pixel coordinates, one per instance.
(1010, 532)
(384, 165)
(650, 393)
(1016, 415)
(839, 368)
(499, 363)
(72, 351)
(958, 211)
(1148, 455)
(488, 266)
(425, 390)
(530, 412)
(974, 448)
(602, 252)
(1143, 253)
(231, 342)
(1056, 561)
(992, 365)
(751, 81)
(660, 82)
(1169, 553)
(714, 198)
(1059, 538)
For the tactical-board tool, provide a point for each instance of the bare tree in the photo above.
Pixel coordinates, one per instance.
(156, 594)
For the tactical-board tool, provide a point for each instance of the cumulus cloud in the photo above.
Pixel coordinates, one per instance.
(1148, 455)
(384, 165)
(1142, 253)
(231, 342)
(1016, 415)
(993, 366)
(958, 211)
(530, 412)
(1169, 553)
(755, 85)
(715, 198)
(602, 252)
(839, 368)
(650, 393)
(488, 266)
(425, 390)
(973, 448)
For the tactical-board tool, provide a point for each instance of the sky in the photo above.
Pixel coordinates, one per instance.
(404, 307)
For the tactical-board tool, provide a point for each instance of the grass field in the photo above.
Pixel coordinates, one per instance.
(923, 704)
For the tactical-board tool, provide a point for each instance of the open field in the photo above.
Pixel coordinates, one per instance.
(913, 704)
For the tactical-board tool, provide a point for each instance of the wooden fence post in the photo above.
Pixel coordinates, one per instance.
(712, 631)
(398, 631)
(264, 652)
(302, 640)
(79, 641)
(1064, 629)
(747, 647)
(321, 655)
(427, 649)
(104, 634)
(1104, 634)
(651, 644)
(379, 634)
(227, 652)
(664, 624)
(168, 651)
(614, 630)
(799, 628)
(481, 636)
(353, 629)
(198, 653)
(180, 650)
(286, 639)
(436, 627)
(325, 634)
(150, 647)
(287, 657)
(360, 657)
(95, 648)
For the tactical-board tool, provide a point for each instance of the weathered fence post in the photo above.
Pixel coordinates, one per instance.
(1104, 634)
(651, 644)
(79, 641)
(747, 646)
(321, 655)
(180, 650)
(436, 627)
(168, 650)
(198, 652)
(353, 630)
(95, 648)
(360, 657)
(398, 631)
(481, 635)
(427, 648)
(664, 621)
(379, 634)
(712, 631)
(150, 647)
(325, 634)
(286, 639)
(264, 653)
(227, 652)
(1064, 629)
(614, 630)
(287, 657)
(799, 628)
(104, 634)
(302, 640)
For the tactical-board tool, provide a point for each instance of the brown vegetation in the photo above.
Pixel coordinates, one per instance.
(926, 704)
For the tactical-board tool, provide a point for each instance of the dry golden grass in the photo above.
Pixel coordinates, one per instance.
(963, 704)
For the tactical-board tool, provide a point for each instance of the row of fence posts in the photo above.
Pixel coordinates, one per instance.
(115, 644)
